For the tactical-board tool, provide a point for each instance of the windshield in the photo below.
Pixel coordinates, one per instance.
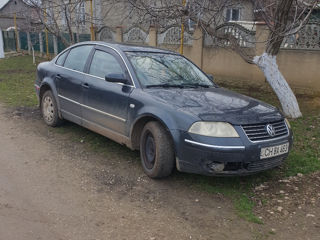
(167, 70)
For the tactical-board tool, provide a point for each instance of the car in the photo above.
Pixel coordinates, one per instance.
(159, 102)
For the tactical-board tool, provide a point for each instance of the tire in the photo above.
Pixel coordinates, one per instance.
(49, 110)
(156, 151)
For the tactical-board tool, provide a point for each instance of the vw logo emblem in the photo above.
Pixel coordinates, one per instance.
(271, 131)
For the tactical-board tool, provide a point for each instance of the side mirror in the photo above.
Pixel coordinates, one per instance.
(210, 76)
(116, 78)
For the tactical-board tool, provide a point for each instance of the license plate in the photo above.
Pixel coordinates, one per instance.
(274, 151)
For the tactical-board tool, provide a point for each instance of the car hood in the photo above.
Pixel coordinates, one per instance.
(217, 104)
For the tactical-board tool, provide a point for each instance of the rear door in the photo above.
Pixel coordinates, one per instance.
(105, 104)
(69, 82)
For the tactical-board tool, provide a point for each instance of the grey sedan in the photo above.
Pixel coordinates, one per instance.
(162, 104)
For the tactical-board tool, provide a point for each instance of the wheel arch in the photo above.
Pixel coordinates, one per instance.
(48, 85)
(138, 126)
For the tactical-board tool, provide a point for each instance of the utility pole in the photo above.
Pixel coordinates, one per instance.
(16, 31)
(182, 29)
(91, 27)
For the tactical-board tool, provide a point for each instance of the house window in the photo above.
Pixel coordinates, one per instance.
(233, 14)
(81, 13)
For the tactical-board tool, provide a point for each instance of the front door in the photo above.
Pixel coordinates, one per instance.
(105, 104)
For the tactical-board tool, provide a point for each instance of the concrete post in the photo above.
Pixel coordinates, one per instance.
(29, 43)
(119, 34)
(197, 47)
(1, 45)
(19, 43)
(41, 43)
(262, 35)
(152, 36)
(55, 45)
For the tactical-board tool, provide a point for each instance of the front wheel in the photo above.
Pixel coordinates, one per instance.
(156, 151)
(49, 110)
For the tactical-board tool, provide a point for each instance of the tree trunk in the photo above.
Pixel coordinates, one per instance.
(268, 64)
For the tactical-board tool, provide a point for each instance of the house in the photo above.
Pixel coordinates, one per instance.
(25, 15)
(111, 14)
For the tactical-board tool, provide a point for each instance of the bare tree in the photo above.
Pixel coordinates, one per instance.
(282, 18)
(61, 16)
(68, 18)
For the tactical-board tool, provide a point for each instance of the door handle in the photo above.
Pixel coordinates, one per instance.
(58, 76)
(85, 85)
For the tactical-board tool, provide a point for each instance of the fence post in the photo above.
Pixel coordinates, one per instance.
(18, 48)
(41, 43)
(119, 35)
(197, 47)
(152, 36)
(1, 45)
(29, 43)
(55, 45)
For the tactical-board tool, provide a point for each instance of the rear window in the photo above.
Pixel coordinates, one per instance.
(77, 58)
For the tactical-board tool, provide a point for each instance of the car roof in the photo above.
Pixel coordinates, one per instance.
(129, 47)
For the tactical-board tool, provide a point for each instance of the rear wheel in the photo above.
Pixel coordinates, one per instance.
(49, 110)
(156, 150)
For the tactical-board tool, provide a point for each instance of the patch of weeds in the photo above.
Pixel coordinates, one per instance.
(272, 233)
(305, 155)
(244, 207)
(264, 201)
(237, 189)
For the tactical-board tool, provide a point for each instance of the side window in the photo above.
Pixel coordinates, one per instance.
(77, 58)
(103, 64)
(61, 58)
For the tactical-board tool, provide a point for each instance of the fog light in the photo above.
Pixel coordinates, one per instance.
(216, 167)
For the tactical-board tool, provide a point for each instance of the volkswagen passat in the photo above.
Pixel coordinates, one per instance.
(160, 103)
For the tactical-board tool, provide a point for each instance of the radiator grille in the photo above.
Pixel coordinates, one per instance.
(258, 132)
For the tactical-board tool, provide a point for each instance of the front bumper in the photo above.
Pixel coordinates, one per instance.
(225, 156)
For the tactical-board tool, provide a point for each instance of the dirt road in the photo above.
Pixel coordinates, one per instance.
(51, 188)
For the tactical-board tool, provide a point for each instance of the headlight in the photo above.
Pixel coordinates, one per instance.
(288, 123)
(213, 129)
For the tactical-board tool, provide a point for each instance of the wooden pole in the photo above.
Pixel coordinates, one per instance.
(182, 30)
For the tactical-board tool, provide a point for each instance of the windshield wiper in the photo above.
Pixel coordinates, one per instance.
(165, 85)
(196, 85)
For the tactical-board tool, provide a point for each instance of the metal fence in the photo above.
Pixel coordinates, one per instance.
(308, 38)
(35, 40)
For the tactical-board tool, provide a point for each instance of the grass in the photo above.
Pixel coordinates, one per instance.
(17, 75)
